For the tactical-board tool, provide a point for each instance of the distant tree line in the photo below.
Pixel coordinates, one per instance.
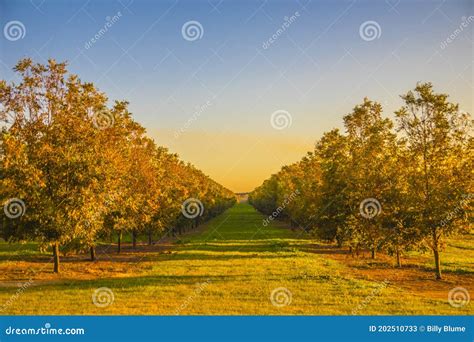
(74, 170)
(384, 186)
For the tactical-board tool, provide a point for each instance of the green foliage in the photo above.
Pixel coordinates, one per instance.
(84, 169)
(419, 182)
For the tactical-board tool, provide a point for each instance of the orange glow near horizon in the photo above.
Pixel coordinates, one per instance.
(240, 162)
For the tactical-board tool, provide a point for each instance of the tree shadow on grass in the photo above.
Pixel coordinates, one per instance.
(255, 248)
(216, 257)
(125, 283)
(317, 248)
(160, 254)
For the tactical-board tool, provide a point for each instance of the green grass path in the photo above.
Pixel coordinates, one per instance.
(231, 266)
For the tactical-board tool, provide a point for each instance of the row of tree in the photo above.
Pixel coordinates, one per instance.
(74, 171)
(383, 186)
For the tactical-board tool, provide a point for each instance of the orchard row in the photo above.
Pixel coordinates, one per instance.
(383, 185)
(75, 171)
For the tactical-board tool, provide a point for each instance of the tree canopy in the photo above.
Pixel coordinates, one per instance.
(74, 169)
(384, 186)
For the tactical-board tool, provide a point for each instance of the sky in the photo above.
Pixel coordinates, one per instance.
(241, 88)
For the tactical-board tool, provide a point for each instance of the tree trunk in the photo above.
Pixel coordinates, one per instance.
(119, 242)
(134, 239)
(56, 257)
(93, 256)
(399, 260)
(437, 263)
(373, 253)
(436, 254)
(150, 237)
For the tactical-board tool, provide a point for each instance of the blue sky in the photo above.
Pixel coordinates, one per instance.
(317, 70)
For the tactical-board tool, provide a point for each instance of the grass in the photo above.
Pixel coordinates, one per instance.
(231, 265)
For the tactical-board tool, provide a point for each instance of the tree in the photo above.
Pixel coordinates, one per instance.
(334, 207)
(370, 188)
(83, 169)
(438, 140)
(371, 148)
(50, 151)
(399, 216)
